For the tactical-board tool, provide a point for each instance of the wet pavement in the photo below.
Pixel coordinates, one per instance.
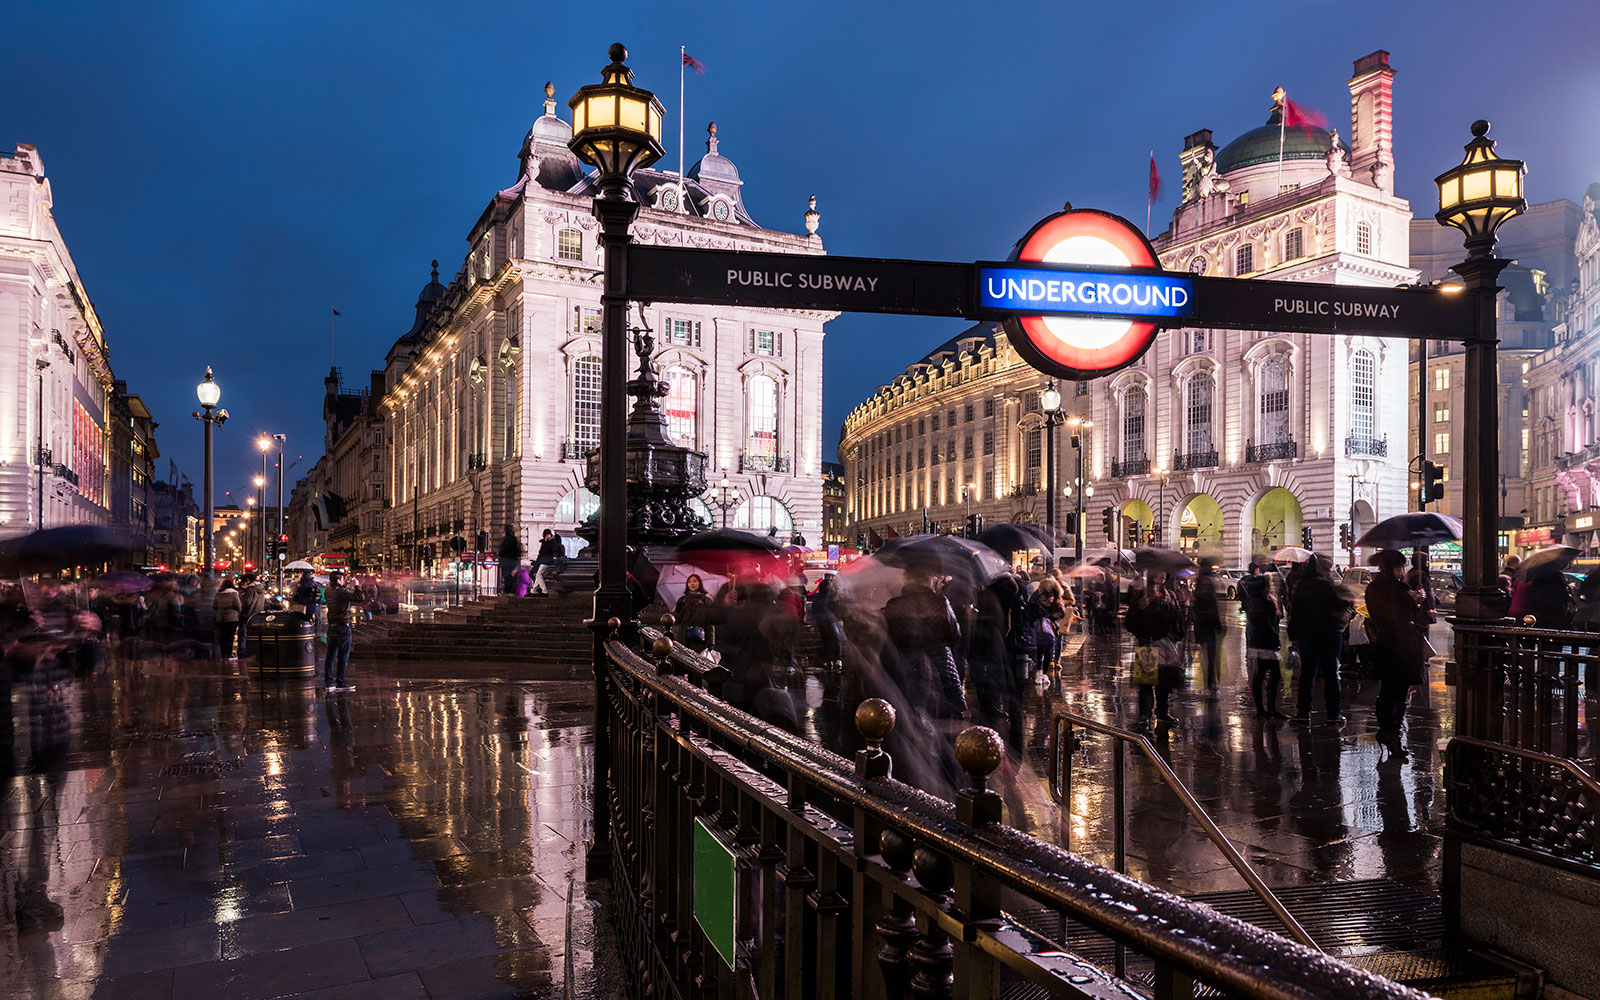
(177, 829)
(1303, 803)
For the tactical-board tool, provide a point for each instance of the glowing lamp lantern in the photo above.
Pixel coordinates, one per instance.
(208, 391)
(1050, 399)
(616, 127)
(1482, 191)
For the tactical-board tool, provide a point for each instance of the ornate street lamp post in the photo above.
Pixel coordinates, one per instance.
(1080, 428)
(1476, 196)
(726, 496)
(209, 394)
(616, 128)
(1160, 529)
(1050, 402)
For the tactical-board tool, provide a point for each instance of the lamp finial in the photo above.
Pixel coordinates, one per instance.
(1480, 128)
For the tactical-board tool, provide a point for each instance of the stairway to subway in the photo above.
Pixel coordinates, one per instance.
(536, 631)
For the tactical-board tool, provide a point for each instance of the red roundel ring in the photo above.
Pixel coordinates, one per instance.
(1043, 347)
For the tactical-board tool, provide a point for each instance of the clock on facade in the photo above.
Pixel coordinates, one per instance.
(1197, 265)
(720, 210)
(669, 199)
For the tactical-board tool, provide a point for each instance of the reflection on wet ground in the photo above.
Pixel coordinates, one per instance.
(177, 829)
(1302, 803)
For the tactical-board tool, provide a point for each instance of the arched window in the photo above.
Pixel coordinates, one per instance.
(585, 432)
(682, 393)
(763, 513)
(1133, 425)
(761, 443)
(1363, 386)
(1272, 401)
(508, 443)
(1197, 414)
(576, 506)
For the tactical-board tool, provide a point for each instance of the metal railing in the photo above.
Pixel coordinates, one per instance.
(755, 462)
(1530, 687)
(1530, 802)
(1378, 447)
(1063, 744)
(751, 862)
(576, 451)
(1130, 467)
(1195, 460)
(1275, 451)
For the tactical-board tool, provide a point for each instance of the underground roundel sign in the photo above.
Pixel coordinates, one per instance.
(1083, 294)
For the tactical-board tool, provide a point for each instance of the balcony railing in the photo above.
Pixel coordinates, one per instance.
(44, 457)
(1130, 467)
(749, 462)
(1024, 490)
(1378, 447)
(477, 461)
(1276, 451)
(576, 451)
(855, 884)
(62, 472)
(1195, 460)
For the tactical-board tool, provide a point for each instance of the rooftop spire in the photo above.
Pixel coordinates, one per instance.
(549, 99)
(711, 138)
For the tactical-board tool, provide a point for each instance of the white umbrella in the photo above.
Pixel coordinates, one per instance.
(1292, 554)
(299, 564)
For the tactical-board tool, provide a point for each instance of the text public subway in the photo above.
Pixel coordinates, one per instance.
(1027, 290)
(802, 280)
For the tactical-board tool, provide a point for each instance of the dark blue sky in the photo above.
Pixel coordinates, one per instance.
(226, 173)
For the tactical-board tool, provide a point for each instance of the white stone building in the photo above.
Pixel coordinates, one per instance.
(1260, 435)
(492, 397)
(55, 375)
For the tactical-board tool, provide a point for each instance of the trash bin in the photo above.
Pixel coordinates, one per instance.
(283, 644)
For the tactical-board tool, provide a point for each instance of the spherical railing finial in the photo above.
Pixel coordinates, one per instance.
(614, 624)
(979, 750)
(933, 871)
(1529, 621)
(897, 849)
(875, 721)
(662, 647)
(667, 621)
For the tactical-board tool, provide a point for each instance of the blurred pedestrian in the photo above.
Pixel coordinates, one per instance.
(1046, 613)
(825, 618)
(544, 561)
(509, 555)
(1393, 612)
(1261, 641)
(1155, 620)
(252, 601)
(922, 629)
(1209, 626)
(226, 606)
(1318, 616)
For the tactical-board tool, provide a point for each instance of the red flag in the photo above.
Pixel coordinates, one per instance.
(1155, 180)
(694, 64)
(1299, 116)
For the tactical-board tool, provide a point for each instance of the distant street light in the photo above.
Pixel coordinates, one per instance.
(209, 394)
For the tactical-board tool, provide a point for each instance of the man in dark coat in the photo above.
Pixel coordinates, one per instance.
(1392, 616)
(509, 557)
(1208, 626)
(922, 627)
(1261, 642)
(1318, 616)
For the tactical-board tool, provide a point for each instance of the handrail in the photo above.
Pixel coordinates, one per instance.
(1566, 764)
(1240, 865)
(1230, 953)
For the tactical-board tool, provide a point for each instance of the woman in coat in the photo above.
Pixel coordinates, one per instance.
(693, 609)
(1261, 617)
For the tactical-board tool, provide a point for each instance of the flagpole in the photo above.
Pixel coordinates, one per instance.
(683, 53)
(1148, 200)
(1283, 111)
(333, 338)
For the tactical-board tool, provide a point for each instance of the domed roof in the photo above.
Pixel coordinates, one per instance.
(1260, 145)
(431, 295)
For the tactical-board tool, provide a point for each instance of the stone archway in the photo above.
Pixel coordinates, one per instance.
(1200, 525)
(1272, 520)
(1137, 511)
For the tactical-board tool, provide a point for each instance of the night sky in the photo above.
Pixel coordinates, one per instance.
(225, 174)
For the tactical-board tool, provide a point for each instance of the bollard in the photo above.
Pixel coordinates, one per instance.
(875, 720)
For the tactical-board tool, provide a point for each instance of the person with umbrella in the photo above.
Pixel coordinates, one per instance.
(1392, 615)
(1541, 587)
(922, 627)
(1318, 616)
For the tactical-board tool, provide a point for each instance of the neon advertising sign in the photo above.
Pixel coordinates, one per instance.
(1083, 294)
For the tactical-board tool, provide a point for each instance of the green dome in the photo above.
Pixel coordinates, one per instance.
(1260, 145)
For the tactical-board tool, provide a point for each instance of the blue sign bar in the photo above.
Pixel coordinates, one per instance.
(1050, 291)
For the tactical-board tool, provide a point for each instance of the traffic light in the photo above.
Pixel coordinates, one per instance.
(1108, 522)
(1432, 487)
(458, 545)
(1345, 541)
(1305, 536)
(483, 541)
(971, 529)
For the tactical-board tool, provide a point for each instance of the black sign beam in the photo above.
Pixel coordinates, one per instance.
(939, 288)
(799, 281)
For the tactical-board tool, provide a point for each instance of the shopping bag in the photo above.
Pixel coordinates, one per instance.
(1146, 665)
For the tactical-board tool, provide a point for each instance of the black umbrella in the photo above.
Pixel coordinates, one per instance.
(729, 540)
(67, 545)
(1008, 538)
(945, 555)
(732, 552)
(1406, 530)
(1152, 558)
